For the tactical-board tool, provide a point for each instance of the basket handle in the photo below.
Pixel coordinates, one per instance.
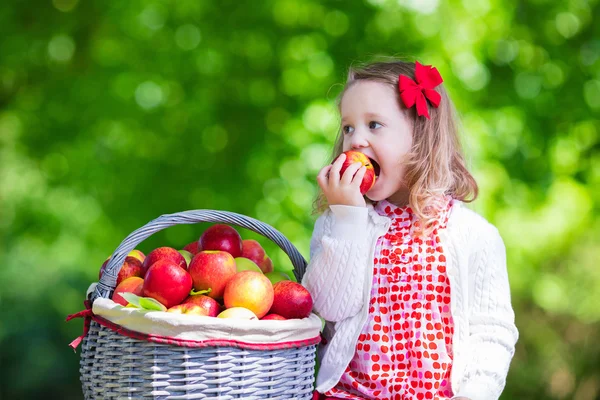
(108, 281)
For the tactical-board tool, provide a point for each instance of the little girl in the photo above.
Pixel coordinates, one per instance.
(413, 285)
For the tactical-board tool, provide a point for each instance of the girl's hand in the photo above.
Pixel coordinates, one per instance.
(344, 190)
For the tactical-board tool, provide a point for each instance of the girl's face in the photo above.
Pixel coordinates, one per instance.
(374, 124)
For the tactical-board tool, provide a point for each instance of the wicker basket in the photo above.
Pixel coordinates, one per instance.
(116, 364)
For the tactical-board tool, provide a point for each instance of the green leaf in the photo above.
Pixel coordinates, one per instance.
(132, 299)
(148, 303)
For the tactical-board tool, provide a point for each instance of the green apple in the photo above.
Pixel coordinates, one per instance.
(187, 255)
(245, 264)
(277, 276)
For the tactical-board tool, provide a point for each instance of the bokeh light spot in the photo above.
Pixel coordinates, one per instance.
(567, 24)
(61, 48)
(65, 5)
(153, 17)
(591, 91)
(528, 85)
(215, 138)
(188, 37)
(336, 23)
(149, 95)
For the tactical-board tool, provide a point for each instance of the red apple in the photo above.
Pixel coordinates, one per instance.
(134, 285)
(221, 237)
(369, 177)
(131, 267)
(266, 265)
(212, 270)
(192, 247)
(167, 282)
(252, 250)
(207, 305)
(273, 317)
(291, 300)
(164, 253)
(137, 254)
(251, 290)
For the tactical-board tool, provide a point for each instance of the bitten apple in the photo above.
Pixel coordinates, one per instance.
(221, 237)
(134, 285)
(368, 180)
(167, 282)
(291, 300)
(251, 290)
(164, 253)
(212, 270)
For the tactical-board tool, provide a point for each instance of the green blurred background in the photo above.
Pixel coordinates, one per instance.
(115, 112)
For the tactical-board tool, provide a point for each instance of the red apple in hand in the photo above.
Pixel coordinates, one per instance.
(164, 253)
(167, 282)
(369, 177)
(291, 300)
(134, 285)
(221, 237)
(212, 270)
(251, 290)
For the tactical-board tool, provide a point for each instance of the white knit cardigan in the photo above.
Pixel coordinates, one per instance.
(340, 273)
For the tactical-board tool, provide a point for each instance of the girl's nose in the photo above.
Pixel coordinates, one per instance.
(359, 141)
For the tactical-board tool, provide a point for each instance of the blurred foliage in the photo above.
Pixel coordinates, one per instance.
(115, 112)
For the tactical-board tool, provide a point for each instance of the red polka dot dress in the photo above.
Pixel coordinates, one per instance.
(405, 349)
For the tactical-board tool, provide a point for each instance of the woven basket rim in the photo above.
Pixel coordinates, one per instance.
(204, 343)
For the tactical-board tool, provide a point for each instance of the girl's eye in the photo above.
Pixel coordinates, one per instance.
(374, 125)
(347, 129)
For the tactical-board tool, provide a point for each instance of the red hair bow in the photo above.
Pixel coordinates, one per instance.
(411, 92)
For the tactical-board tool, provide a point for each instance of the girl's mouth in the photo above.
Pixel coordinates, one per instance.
(376, 167)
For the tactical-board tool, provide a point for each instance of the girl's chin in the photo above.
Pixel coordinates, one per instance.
(374, 194)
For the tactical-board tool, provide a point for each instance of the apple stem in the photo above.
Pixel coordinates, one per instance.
(194, 292)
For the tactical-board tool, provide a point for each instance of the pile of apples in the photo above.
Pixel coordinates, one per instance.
(219, 275)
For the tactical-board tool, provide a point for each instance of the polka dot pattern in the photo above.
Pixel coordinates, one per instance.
(405, 349)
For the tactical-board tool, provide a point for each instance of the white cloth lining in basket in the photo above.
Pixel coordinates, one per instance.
(199, 328)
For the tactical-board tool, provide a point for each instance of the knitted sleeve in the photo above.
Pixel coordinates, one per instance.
(335, 275)
(493, 333)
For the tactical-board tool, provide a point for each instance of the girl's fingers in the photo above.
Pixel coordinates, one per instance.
(350, 172)
(323, 176)
(334, 173)
(358, 177)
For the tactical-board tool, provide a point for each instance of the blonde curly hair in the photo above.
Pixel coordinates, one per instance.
(435, 167)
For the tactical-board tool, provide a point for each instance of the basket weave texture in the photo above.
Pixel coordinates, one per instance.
(117, 365)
